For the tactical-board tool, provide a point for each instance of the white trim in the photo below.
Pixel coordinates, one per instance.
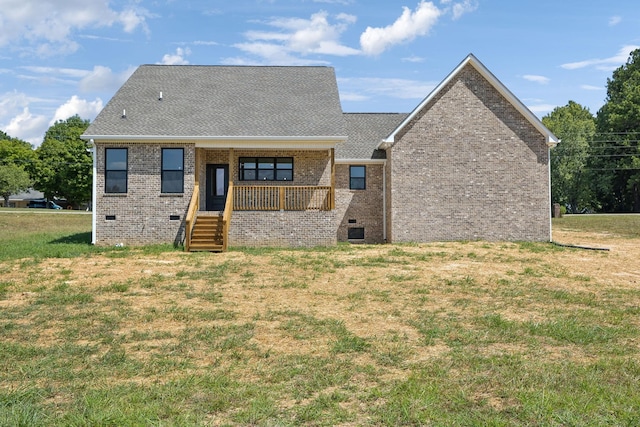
(549, 205)
(94, 196)
(241, 142)
(384, 202)
(335, 138)
(501, 88)
(294, 144)
(361, 161)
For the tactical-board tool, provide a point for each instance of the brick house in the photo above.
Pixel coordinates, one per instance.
(211, 156)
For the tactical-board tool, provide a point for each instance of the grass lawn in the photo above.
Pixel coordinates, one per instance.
(457, 333)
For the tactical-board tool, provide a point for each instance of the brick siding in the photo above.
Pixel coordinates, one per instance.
(469, 166)
(363, 208)
(278, 228)
(142, 215)
(283, 228)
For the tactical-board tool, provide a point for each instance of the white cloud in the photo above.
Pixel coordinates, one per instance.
(132, 19)
(18, 120)
(365, 88)
(344, 2)
(353, 97)
(83, 108)
(541, 108)
(212, 12)
(176, 59)
(407, 27)
(295, 37)
(466, 6)
(536, 79)
(49, 71)
(205, 43)
(614, 20)
(413, 59)
(28, 127)
(103, 79)
(99, 79)
(11, 103)
(271, 54)
(605, 64)
(47, 27)
(591, 87)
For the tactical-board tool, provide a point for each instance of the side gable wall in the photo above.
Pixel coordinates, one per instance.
(469, 167)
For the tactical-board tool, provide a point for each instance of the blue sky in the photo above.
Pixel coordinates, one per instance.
(64, 57)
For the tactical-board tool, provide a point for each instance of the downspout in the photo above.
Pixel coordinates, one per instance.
(549, 206)
(384, 202)
(94, 196)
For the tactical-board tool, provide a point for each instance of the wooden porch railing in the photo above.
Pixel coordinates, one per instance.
(226, 217)
(191, 216)
(288, 198)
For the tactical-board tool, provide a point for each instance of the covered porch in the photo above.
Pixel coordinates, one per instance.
(254, 184)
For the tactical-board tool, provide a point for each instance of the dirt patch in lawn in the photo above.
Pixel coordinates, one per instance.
(408, 303)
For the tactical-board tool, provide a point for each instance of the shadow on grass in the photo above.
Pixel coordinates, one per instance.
(74, 239)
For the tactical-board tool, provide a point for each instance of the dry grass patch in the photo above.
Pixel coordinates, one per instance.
(444, 333)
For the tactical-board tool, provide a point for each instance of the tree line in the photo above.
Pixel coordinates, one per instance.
(596, 167)
(60, 167)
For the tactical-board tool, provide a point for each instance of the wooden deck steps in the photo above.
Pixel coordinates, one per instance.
(207, 234)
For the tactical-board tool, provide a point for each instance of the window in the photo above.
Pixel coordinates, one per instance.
(357, 177)
(115, 170)
(266, 169)
(172, 170)
(355, 233)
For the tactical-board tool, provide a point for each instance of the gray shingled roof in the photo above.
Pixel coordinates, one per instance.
(365, 131)
(214, 101)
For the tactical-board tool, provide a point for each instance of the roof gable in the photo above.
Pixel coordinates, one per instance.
(493, 80)
(215, 102)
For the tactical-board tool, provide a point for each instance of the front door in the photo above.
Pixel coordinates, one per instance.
(217, 185)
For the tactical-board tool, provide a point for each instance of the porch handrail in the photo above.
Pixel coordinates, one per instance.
(288, 198)
(226, 216)
(190, 219)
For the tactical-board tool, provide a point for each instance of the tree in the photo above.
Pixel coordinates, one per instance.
(15, 151)
(64, 164)
(13, 179)
(570, 179)
(618, 123)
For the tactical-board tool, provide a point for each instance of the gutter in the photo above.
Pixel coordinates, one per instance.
(326, 138)
(361, 161)
(241, 142)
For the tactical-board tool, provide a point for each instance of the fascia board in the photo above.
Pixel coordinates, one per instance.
(293, 144)
(298, 142)
(360, 161)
